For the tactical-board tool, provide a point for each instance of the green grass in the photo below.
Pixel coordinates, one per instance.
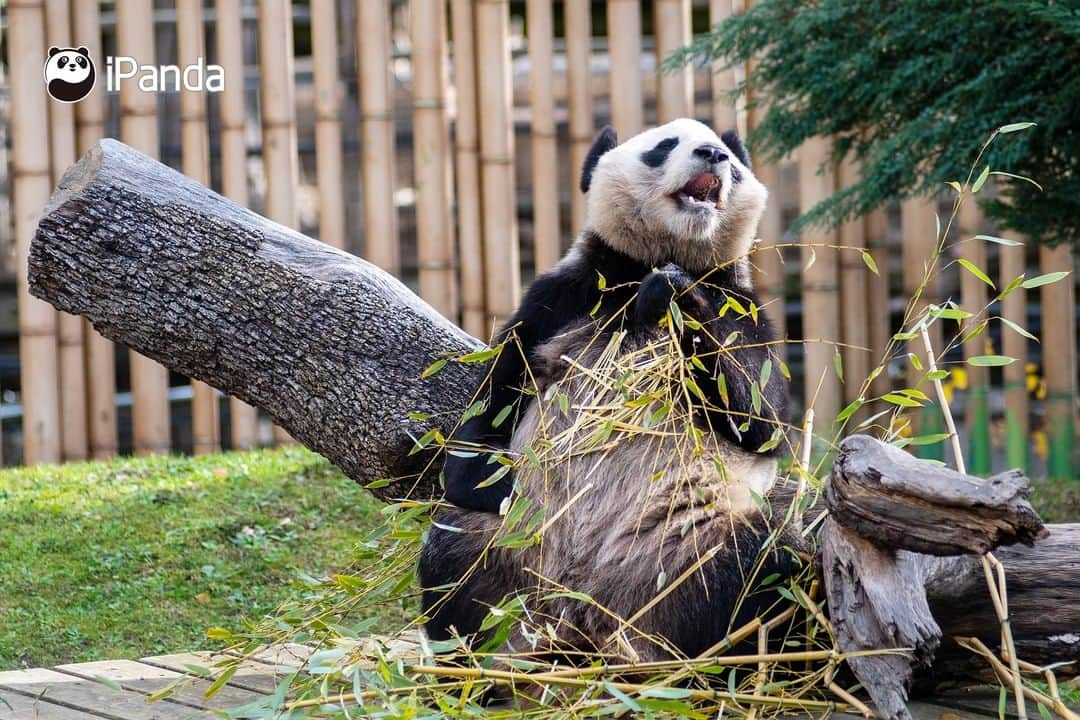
(141, 556)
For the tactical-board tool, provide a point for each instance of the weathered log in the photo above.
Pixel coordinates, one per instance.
(889, 583)
(329, 345)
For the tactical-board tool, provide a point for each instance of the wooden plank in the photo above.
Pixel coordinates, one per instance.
(93, 697)
(284, 655)
(21, 707)
(147, 680)
(255, 676)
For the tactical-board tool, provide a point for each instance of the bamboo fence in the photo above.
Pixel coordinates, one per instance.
(441, 74)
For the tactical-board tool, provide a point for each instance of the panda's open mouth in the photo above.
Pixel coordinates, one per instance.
(702, 191)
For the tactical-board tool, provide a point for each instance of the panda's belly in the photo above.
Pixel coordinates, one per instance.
(635, 496)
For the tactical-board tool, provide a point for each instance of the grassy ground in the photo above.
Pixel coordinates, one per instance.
(137, 556)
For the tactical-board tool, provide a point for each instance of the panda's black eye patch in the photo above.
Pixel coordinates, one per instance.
(658, 155)
(62, 61)
(81, 61)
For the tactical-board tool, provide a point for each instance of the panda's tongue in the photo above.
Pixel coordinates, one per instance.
(702, 188)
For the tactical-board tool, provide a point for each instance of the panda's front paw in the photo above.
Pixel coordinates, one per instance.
(657, 291)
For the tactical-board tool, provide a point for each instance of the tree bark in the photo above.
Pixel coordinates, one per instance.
(329, 345)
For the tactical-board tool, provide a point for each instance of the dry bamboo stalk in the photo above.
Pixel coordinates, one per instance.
(821, 304)
(501, 264)
(467, 164)
(876, 227)
(377, 135)
(918, 224)
(974, 294)
(1012, 263)
(328, 170)
(431, 157)
(624, 51)
(243, 418)
(38, 363)
(277, 101)
(139, 129)
(854, 291)
(195, 159)
(724, 114)
(70, 337)
(1059, 358)
(674, 90)
(100, 361)
(547, 234)
(578, 32)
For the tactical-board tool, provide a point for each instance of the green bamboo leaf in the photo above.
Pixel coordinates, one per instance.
(851, 409)
(838, 365)
(928, 439)
(990, 360)
(500, 418)
(901, 400)
(676, 315)
(981, 180)
(766, 372)
(433, 368)
(974, 270)
(220, 682)
(868, 260)
(1023, 178)
(1015, 127)
(1046, 279)
(478, 356)
(1018, 329)
(999, 240)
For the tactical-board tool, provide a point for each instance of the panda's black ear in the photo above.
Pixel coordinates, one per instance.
(53, 50)
(735, 144)
(606, 140)
(84, 51)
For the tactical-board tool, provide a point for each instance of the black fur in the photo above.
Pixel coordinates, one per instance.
(606, 140)
(658, 155)
(554, 301)
(736, 145)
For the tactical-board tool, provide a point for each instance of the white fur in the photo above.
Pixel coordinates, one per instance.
(634, 209)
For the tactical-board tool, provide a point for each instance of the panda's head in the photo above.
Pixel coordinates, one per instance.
(677, 193)
(69, 73)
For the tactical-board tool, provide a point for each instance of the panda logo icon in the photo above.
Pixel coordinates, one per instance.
(69, 74)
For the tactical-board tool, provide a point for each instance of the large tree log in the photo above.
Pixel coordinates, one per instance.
(333, 348)
(328, 344)
(890, 583)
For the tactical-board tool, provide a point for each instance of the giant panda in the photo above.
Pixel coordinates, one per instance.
(671, 216)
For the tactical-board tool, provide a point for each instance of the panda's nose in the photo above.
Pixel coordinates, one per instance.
(71, 66)
(712, 153)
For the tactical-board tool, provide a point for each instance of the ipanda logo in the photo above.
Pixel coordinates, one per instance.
(69, 74)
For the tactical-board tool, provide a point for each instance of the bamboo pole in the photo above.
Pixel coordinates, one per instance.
(578, 33)
(467, 164)
(821, 304)
(280, 156)
(547, 233)
(624, 51)
(377, 135)
(1013, 263)
(195, 159)
(73, 432)
(32, 185)
(100, 360)
(974, 294)
(767, 261)
(878, 297)
(501, 263)
(1059, 359)
(854, 295)
(918, 222)
(724, 113)
(243, 418)
(431, 157)
(139, 129)
(674, 90)
(328, 169)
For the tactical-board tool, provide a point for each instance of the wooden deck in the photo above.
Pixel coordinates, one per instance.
(122, 690)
